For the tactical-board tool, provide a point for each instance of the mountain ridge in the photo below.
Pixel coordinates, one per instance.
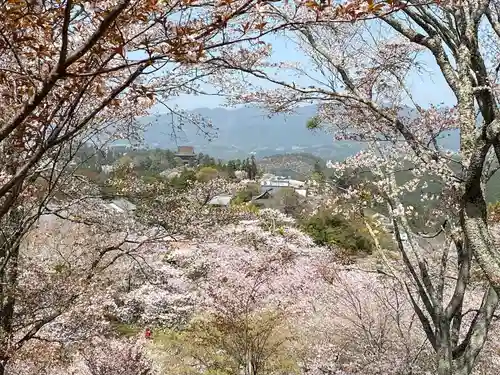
(250, 130)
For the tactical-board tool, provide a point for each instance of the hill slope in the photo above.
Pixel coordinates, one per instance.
(293, 165)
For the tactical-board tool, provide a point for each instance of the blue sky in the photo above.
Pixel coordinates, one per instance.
(428, 88)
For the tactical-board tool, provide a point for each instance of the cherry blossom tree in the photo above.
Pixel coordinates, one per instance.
(86, 268)
(115, 357)
(78, 72)
(249, 295)
(360, 75)
(68, 269)
(266, 294)
(362, 324)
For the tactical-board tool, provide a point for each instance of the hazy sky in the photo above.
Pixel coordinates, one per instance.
(427, 88)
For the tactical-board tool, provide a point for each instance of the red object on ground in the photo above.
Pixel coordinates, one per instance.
(147, 333)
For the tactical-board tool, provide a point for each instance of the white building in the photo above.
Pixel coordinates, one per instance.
(221, 200)
(107, 169)
(120, 205)
(277, 182)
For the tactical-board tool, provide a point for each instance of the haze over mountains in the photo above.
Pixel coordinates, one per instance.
(250, 130)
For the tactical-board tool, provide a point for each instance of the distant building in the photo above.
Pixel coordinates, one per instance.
(221, 200)
(302, 192)
(263, 195)
(121, 205)
(170, 173)
(107, 169)
(275, 183)
(186, 154)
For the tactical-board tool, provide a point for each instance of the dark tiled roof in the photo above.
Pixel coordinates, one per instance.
(262, 195)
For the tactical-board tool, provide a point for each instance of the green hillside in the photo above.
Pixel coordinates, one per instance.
(295, 165)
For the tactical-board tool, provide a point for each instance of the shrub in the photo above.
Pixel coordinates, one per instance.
(206, 174)
(287, 201)
(126, 330)
(328, 229)
(494, 212)
(246, 194)
(222, 345)
(186, 177)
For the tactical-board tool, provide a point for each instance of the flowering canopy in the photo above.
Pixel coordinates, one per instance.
(360, 76)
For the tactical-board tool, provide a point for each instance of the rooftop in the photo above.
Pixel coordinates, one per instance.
(121, 205)
(220, 200)
(185, 151)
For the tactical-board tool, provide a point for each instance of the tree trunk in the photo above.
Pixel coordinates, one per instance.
(444, 348)
(9, 249)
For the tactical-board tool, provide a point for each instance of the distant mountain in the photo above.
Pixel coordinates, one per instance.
(243, 131)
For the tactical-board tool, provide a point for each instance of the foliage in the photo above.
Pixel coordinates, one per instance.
(246, 194)
(214, 345)
(80, 73)
(248, 301)
(314, 123)
(206, 174)
(295, 165)
(151, 165)
(327, 228)
(494, 212)
(318, 173)
(186, 177)
(288, 201)
(361, 76)
(74, 73)
(252, 169)
(177, 211)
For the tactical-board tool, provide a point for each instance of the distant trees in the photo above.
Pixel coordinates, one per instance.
(318, 168)
(205, 160)
(249, 165)
(318, 174)
(74, 73)
(253, 168)
(152, 165)
(79, 72)
(67, 265)
(270, 306)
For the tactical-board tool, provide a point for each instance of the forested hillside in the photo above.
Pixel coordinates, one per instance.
(295, 165)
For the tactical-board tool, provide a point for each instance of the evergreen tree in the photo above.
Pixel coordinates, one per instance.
(318, 174)
(253, 168)
(199, 158)
(207, 161)
(244, 166)
(248, 168)
(230, 168)
(317, 167)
